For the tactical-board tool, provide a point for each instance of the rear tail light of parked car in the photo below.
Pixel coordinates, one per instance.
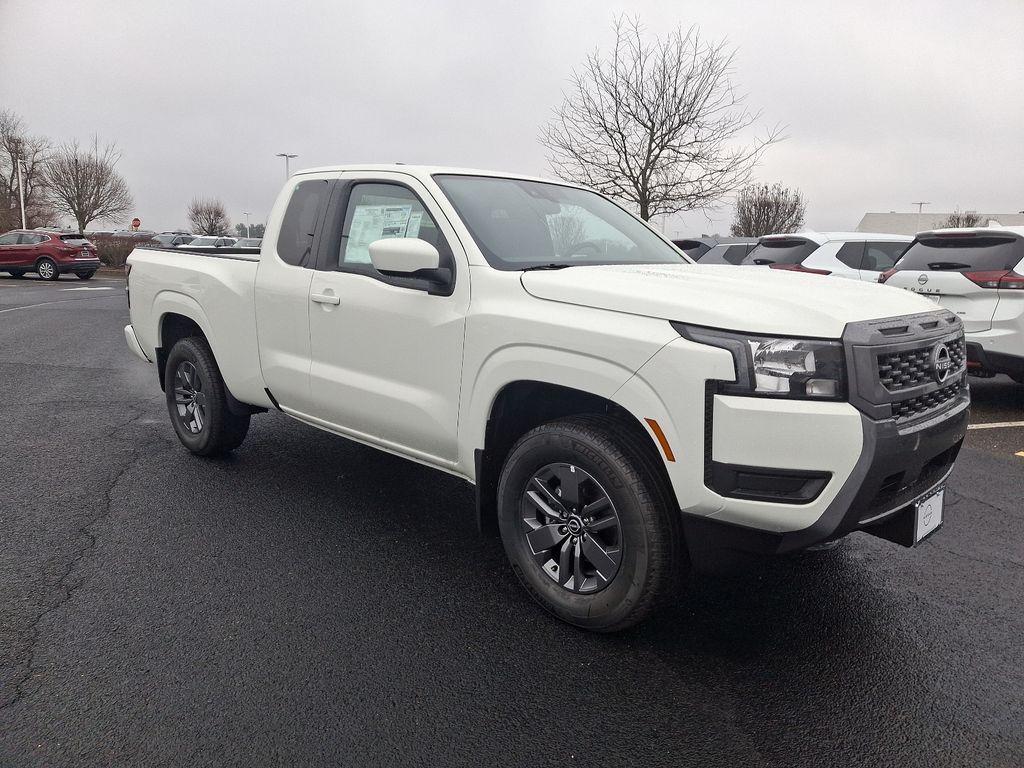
(996, 279)
(887, 274)
(800, 268)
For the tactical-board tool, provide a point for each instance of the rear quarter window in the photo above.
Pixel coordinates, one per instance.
(301, 217)
(960, 253)
(782, 251)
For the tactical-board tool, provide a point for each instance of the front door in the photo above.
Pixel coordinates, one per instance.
(386, 354)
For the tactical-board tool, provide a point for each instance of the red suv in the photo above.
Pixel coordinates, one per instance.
(48, 254)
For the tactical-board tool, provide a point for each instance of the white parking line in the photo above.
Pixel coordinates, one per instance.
(997, 425)
(89, 288)
(63, 301)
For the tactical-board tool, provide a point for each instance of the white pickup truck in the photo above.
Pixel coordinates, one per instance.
(624, 413)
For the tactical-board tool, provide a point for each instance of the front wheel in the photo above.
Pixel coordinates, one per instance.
(197, 400)
(589, 523)
(16, 274)
(47, 269)
(85, 275)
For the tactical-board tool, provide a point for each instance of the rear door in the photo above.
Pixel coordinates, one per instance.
(961, 272)
(28, 247)
(282, 291)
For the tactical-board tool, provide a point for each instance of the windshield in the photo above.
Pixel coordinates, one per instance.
(963, 253)
(521, 224)
(74, 239)
(791, 250)
(204, 241)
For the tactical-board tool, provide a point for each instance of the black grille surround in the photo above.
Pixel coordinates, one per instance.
(891, 366)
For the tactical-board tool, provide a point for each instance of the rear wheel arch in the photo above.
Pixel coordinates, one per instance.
(522, 405)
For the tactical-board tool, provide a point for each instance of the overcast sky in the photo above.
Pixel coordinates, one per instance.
(884, 103)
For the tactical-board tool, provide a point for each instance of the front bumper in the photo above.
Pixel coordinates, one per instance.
(896, 468)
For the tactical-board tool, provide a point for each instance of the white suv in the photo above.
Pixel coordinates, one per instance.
(853, 255)
(978, 274)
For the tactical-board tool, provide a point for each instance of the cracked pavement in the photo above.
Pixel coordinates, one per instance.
(310, 602)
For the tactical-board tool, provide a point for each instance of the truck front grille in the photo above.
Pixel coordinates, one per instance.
(910, 368)
(907, 368)
(904, 410)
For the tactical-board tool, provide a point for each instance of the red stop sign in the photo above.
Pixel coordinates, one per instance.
(136, 222)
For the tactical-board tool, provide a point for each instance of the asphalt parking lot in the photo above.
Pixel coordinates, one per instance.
(313, 602)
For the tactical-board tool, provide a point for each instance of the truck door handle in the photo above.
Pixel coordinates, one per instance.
(323, 298)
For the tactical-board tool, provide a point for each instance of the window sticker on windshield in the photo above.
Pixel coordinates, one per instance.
(376, 222)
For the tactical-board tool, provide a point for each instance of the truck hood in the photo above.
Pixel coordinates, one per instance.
(754, 299)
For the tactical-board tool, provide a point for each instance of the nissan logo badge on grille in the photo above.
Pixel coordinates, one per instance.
(922, 279)
(942, 363)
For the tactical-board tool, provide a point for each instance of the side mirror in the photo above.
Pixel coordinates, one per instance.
(410, 257)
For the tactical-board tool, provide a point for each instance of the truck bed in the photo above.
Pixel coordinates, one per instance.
(215, 286)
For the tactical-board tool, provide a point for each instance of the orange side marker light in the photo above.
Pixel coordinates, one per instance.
(656, 429)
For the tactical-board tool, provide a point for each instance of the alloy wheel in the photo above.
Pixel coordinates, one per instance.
(189, 397)
(571, 528)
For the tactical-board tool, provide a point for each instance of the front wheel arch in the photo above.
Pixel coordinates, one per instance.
(524, 405)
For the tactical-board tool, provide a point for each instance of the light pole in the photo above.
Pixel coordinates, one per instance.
(246, 214)
(287, 156)
(920, 205)
(21, 192)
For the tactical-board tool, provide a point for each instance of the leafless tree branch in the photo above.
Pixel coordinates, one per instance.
(763, 210)
(85, 184)
(655, 124)
(208, 216)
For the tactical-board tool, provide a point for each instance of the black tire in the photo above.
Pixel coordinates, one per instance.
(47, 269)
(615, 459)
(16, 275)
(85, 275)
(219, 430)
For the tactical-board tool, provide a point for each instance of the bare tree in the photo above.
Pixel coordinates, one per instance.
(85, 184)
(16, 144)
(207, 216)
(763, 210)
(655, 124)
(959, 219)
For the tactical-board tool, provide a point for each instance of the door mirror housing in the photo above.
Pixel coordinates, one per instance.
(411, 257)
(403, 256)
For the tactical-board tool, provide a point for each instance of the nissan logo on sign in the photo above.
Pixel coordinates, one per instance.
(942, 363)
(922, 279)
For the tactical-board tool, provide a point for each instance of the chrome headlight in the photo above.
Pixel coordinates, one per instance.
(773, 366)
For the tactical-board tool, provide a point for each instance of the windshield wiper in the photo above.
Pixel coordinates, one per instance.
(537, 267)
(762, 262)
(938, 265)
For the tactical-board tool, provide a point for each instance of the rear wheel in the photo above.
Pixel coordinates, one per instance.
(589, 524)
(197, 400)
(47, 269)
(85, 275)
